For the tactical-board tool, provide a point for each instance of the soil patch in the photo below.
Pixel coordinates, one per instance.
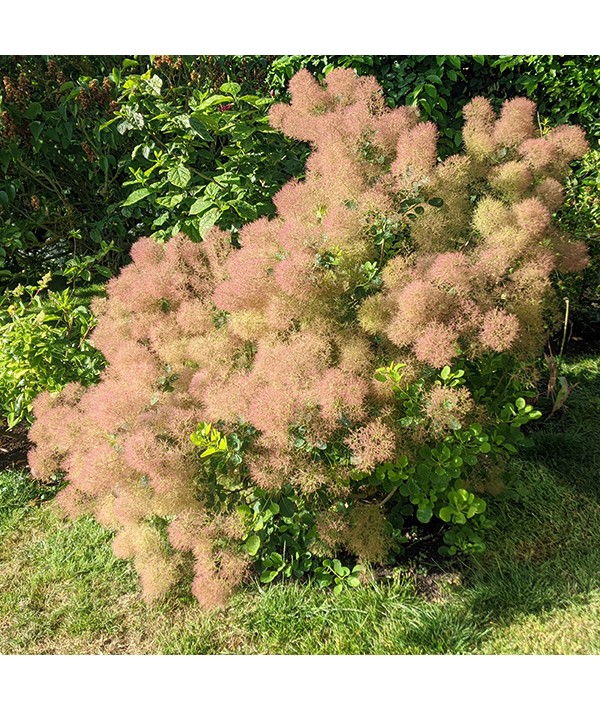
(14, 446)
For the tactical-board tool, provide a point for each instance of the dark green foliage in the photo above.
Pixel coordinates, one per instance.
(80, 137)
(581, 217)
(60, 181)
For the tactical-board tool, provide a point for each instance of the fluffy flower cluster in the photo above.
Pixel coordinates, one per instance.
(286, 332)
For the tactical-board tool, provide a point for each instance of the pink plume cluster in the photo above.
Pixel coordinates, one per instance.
(286, 332)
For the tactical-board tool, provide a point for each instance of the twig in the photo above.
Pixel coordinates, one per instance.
(389, 496)
(564, 338)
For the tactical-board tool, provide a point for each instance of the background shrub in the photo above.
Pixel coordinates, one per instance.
(102, 148)
(151, 137)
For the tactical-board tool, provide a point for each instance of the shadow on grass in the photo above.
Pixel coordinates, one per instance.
(544, 552)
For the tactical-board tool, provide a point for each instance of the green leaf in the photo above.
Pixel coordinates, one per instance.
(286, 508)
(199, 127)
(252, 544)
(179, 176)
(243, 509)
(445, 514)
(324, 579)
(214, 99)
(424, 515)
(155, 83)
(520, 403)
(33, 110)
(269, 575)
(36, 128)
(136, 196)
(200, 205)
(436, 202)
(248, 212)
(207, 220)
(230, 87)
(353, 582)
(276, 558)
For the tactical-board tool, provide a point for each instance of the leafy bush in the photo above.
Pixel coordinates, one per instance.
(200, 158)
(90, 147)
(43, 345)
(580, 215)
(359, 363)
(59, 177)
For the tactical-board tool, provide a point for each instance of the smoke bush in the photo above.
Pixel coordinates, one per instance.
(382, 254)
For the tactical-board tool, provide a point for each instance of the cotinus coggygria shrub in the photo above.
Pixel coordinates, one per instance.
(358, 364)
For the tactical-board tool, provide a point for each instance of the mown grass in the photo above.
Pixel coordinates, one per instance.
(536, 590)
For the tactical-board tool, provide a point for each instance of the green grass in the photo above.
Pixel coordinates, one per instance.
(536, 590)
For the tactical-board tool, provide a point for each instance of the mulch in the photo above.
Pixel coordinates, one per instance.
(13, 447)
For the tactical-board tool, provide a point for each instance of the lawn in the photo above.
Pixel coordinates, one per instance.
(536, 589)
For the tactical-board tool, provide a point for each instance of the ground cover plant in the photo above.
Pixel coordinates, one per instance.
(300, 397)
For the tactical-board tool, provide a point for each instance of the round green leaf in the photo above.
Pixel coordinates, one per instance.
(424, 515)
(268, 576)
(252, 544)
(445, 514)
